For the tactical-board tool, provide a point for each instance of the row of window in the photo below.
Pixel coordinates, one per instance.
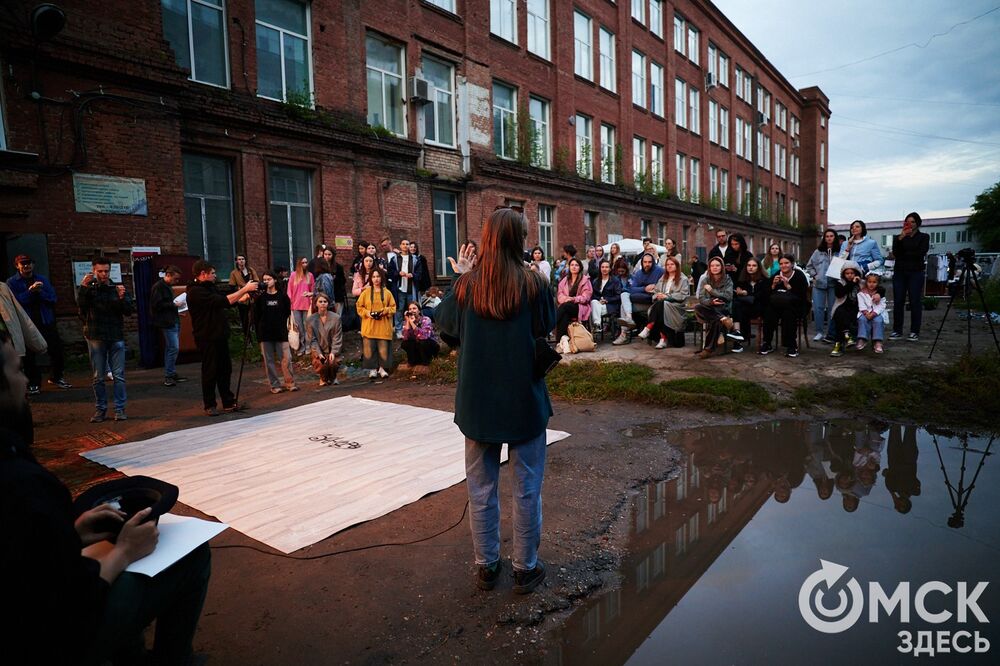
(936, 237)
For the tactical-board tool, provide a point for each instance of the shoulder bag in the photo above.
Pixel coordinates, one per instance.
(546, 357)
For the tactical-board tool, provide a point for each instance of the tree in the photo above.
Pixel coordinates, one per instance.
(985, 219)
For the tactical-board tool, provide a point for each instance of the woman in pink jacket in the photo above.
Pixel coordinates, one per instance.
(300, 292)
(362, 276)
(572, 298)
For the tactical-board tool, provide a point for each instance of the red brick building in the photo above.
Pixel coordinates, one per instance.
(266, 126)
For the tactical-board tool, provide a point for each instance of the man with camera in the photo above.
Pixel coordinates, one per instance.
(210, 325)
(103, 307)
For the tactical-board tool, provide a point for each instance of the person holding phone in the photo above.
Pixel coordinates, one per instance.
(786, 304)
(103, 308)
(419, 342)
(910, 250)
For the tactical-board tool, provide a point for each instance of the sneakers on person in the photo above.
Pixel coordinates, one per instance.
(818, 337)
(33, 389)
(488, 575)
(382, 373)
(765, 349)
(737, 347)
(862, 343)
(169, 381)
(627, 323)
(98, 416)
(792, 352)
(61, 383)
(235, 407)
(622, 339)
(735, 335)
(336, 381)
(276, 389)
(895, 335)
(120, 415)
(848, 341)
(644, 333)
(292, 389)
(662, 344)
(178, 378)
(211, 411)
(827, 340)
(837, 350)
(878, 347)
(372, 374)
(527, 581)
(912, 337)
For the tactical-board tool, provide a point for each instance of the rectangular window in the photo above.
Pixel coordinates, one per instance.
(538, 111)
(692, 52)
(584, 147)
(724, 127)
(739, 194)
(695, 180)
(639, 174)
(283, 50)
(795, 169)
(724, 189)
(739, 136)
(445, 230)
(196, 30)
(503, 19)
(656, 167)
(444, 4)
(713, 121)
(439, 115)
(713, 181)
(656, 17)
(656, 95)
(385, 85)
(545, 215)
(538, 28)
(607, 47)
(644, 231)
(822, 154)
(680, 103)
(723, 70)
(747, 141)
(681, 176)
(639, 11)
(680, 34)
(822, 121)
(795, 210)
(661, 238)
(694, 108)
(589, 228)
(608, 166)
(713, 62)
(208, 208)
(638, 78)
(504, 121)
(290, 197)
(583, 54)
(822, 196)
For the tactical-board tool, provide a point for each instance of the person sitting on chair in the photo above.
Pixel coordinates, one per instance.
(786, 304)
(572, 297)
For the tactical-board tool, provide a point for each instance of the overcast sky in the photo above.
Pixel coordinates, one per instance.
(883, 159)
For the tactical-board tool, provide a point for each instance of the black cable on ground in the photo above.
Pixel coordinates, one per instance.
(465, 510)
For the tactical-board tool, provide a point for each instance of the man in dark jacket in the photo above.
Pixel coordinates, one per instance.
(698, 268)
(210, 326)
(38, 298)
(166, 318)
(908, 275)
(403, 272)
(103, 308)
(722, 242)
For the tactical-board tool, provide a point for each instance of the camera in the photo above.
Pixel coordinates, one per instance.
(968, 255)
(376, 314)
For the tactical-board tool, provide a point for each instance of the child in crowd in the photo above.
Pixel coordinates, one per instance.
(845, 310)
(871, 309)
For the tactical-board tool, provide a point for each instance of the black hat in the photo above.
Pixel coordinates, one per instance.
(130, 495)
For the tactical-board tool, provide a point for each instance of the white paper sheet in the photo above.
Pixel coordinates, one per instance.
(835, 267)
(179, 535)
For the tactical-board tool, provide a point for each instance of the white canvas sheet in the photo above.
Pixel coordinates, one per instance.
(294, 477)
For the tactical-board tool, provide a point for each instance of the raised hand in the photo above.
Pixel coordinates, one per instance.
(466, 259)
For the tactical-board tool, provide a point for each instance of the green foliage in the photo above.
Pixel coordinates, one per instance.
(619, 171)
(584, 161)
(530, 150)
(561, 162)
(985, 219)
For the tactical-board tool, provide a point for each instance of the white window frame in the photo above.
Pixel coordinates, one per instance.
(822, 154)
(680, 103)
(638, 161)
(680, 34)
(440, 217)
(288, 206)
(713, 181)
(202, 197)
(608, 166)
(638, 78)
(503, 120)
(748, 141)
(584, 137)
(822, 196)
(723, 189)
(639, 11)
(694, 169)
(385, 73)
(447, 5)
(656, 92)
(609, 74)
(435, 91)
(723, 70)
(546, 227)
(501, 27)
(713, 121)
(656, 17)
(190, 35)
(713, 63)
(544, 130)
(681, 167)
(694, 43)
(583, 46)
(539, 32)
(309, 59)
(723, 127)
(656, 166)
(694, 110)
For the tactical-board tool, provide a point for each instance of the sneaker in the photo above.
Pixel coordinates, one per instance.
(292, 389)
(98, 416)
(372, 374)
(487, 576)
(895, 336)
(622, 339)
(169, 381)
(178, 378)
(912, 337)
(879, 348)
(862, 343)
(382, 373)
(276, 389)
(120, 415)
(644, 333)
(627, 323)
(336, 381)
(527, 581)
(61, 383)
(818, 337)
(837, 350)
(765, 349)
(827, 340)
(735, 335)
(848, 342)
(33, 389)
(235, 407)
(792, 352)
(737, 347)
(211, 411)
(662, 344)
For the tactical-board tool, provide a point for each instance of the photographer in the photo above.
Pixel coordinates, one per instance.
(910, 250)
(376, 307)
(103, 307)
(418, 337)
(210, 326)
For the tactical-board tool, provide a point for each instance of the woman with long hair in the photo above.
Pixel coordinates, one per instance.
(499, 398)
(909, 249)
(823, 295)
(363, 275)
(238, 277)
(607, 295)
(573, 297)
(376, 306)
(271, 312)
(750, 299)
(614, 254)
(359, 254)
(736, 257)
(539, 265)
(770, 264)
(671, 251)
(667, 316)
(325, 340)
(300, 292)
(715, 294)
(861, 249)
(786, 305)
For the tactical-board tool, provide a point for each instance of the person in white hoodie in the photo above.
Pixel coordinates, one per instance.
(871, 309)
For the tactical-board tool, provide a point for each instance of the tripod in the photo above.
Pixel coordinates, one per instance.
(248, 332)
(970, 278)
(960, 496)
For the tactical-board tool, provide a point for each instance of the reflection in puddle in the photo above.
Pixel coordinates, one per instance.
(719, 553)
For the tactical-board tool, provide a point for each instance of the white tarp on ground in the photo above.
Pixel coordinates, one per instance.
(294, 477)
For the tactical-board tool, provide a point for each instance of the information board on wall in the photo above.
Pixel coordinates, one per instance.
(81, 268)
(343, 242)
(109, 194)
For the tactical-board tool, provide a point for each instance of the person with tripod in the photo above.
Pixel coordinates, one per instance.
(210, 325)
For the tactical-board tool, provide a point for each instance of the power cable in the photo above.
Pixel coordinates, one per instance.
(906, 132)
(914, 100)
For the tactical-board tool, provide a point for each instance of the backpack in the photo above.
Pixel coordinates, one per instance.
(580, 339)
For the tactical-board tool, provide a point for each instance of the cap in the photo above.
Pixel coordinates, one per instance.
(23, 259)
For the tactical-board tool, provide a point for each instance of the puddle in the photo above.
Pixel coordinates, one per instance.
(718, 555)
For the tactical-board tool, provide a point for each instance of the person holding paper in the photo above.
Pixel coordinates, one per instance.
(822, 294)
(66, 607)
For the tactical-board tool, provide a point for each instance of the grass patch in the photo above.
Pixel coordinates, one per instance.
(966, 393)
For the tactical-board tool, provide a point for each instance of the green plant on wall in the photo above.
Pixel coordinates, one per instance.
(561, 161)
(584, 160)
(619, 171)
(608, 168)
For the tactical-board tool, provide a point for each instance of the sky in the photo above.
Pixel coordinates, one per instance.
(917, 129)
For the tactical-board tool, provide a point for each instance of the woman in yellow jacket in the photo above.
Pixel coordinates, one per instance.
(376, 308)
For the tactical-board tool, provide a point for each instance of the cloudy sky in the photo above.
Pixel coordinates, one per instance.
(914, 129)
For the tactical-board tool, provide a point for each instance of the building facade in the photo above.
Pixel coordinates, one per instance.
(211, 127)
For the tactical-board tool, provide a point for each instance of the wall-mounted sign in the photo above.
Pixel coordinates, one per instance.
(81, 268)
(110, 195)
(343, 242)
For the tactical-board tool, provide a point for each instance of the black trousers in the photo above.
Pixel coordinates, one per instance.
(744, 313)
(845, 320)
(31, 369)
(216, 372)
(565, 315)
(787, 313)
(419, 352)
(674, 338)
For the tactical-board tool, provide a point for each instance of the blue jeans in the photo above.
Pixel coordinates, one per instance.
(171, 336)
(823, 300)
(907, 284)
(299, 320)
(482, 469)
(108, 355)
(871, 329)
(402, 300)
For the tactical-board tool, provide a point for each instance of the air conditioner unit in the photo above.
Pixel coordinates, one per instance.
(761, 118)
(420, 90)
(710, 81)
